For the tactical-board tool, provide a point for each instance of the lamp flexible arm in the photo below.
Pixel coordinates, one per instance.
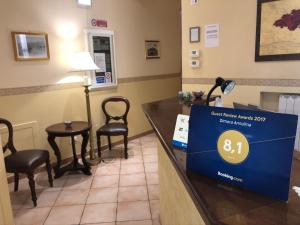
(210, 92)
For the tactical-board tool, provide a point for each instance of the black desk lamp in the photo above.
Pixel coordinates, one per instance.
(226, 87)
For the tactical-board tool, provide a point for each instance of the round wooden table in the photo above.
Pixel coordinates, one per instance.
(60, 130)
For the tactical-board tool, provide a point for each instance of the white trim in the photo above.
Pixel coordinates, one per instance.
(89, 46)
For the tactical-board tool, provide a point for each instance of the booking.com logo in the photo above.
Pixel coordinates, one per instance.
(229, 177)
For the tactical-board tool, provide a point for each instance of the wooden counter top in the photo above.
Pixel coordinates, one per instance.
(218, 202)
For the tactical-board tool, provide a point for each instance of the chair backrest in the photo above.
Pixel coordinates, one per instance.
(10, 144)
(116, 99)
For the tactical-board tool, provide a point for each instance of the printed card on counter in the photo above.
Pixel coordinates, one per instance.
(250, 149)
(180, 138)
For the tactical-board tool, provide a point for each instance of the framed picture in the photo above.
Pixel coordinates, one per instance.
(277, 30)
(30, 46)
(194, 34)
(152, 49)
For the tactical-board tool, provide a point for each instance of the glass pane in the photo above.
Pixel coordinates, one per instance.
(102, 57)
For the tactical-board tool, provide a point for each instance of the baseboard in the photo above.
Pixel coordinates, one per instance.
(67, 160)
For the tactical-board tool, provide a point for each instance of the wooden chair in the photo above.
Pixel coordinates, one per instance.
(25, 162)
(114, 129)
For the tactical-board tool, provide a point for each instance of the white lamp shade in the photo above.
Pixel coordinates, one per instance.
(82, 61)
(85, 2)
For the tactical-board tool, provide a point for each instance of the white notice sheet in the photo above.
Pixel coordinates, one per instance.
(100, 61)
(212, 33)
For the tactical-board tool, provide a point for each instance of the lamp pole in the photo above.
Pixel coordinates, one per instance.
(83, 62)
(89, 115)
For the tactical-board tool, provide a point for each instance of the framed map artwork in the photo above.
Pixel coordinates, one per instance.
(278, 30)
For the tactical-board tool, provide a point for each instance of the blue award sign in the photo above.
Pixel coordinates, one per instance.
(250, 149)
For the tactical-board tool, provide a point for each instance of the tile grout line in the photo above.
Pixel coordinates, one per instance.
(55, 200)
(118, 191)
(84, 206)
(62, 188)
(147, 186)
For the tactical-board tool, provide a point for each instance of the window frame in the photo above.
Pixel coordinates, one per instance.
(89, 34)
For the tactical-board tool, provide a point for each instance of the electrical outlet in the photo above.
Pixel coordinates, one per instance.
(194, 53)
(194, 2)
(194, 63)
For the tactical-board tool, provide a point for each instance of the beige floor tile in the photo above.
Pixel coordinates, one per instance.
(151, 167)
(108, 170)
(152, 144)
(150, 158)
(58, 184)
(93, 170)
(44, 184)
(36, 216)
(149, 150)
(19, 198)
(132, 159)
(148, 138)
(115, 153)
(153, 192)
(99, 213)
(110, 162)
(78, 182)
(103, 195)
(137, 179)
(135, 151)
(130, 194)
(133, 144)
(156, 221)
(152, 178)
(113, 223)
(44, 199)
(105, 181)
(65, 215)
(135, 141)
(140, 222)
(133, 211)
(132, 168)
(41, 182)
(72, 197)
(154, 206)
(23, 185)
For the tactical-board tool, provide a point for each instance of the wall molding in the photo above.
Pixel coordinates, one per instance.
(247, 82)
(146, 78)
(56, 87)
(36, 89)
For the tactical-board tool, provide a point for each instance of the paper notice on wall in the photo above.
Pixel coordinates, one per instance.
(212, 35)
(108, 77)
(100, 61)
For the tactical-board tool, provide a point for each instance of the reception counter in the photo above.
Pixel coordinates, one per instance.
(187, 198)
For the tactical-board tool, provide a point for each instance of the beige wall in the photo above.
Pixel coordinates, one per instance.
(133, 21)
(235, 56)
(40, 110)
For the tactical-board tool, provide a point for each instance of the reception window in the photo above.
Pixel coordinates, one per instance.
(101, 47)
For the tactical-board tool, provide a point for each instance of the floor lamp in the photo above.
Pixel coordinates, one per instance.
(83, 62)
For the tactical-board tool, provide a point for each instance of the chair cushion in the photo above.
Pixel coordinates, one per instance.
(113, 129)
(26, 160)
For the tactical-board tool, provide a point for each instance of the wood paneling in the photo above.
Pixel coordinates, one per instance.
(176, 205)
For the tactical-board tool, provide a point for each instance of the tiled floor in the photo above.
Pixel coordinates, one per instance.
(120, 192)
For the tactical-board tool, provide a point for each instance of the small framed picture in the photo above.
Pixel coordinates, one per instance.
(152, 49)
(30, 46)
(194, 34)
